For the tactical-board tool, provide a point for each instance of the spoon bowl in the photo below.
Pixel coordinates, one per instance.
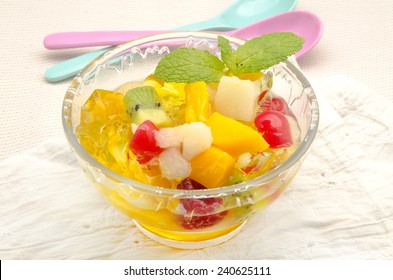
(302, 23)
(242, 13)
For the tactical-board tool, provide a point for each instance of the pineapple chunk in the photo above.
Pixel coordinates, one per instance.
(234, 137)
(212, 168)
(197, 137)
(236, 98)
(197, 102)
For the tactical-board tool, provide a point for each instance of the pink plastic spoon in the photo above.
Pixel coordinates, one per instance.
(237, 15)
(302, 23)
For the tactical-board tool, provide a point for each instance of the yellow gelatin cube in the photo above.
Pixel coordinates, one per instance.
(93, 140)
(154, 175)
(134, 170)
(235, 137)
(197, 102)
(212, 167)
(101, 106)
(118, 148)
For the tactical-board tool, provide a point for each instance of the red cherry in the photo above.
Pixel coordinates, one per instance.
(275, 104)
(198, 222)
(198, 209)
(143, 144)
(275, 128)
(278, 104)
(190, 184)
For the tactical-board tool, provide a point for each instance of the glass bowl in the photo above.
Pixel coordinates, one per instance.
(156, 210)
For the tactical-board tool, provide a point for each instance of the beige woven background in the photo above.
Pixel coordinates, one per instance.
(339, 206)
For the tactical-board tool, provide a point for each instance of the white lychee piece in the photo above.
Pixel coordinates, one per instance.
(236, 98)
(173, 165)
(197, 137)
(168, 137)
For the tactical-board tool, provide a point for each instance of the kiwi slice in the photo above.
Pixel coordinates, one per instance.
(144, 97)
(157, 116)
(143, 103)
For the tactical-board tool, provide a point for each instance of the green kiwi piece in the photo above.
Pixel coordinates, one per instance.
(144, 97)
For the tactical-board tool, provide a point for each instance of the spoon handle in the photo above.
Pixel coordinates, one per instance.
(66, 40)
(73, 66)
(69, 68)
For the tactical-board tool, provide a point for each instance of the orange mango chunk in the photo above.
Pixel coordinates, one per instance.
(235, 137)
(212, 167)
(197, 102)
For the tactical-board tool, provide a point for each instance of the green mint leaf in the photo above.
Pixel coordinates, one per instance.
(187, 65)
(226, 53)
(265, 51)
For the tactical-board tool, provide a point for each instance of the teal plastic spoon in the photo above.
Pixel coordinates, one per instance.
(302, 23)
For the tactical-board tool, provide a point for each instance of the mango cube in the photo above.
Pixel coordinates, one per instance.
(235, 137)
(212, 168)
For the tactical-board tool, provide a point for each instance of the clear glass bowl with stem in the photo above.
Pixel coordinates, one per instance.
(155, 210)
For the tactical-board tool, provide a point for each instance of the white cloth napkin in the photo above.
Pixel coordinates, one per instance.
(340, 206)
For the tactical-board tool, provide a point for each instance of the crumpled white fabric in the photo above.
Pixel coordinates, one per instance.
(340, 206)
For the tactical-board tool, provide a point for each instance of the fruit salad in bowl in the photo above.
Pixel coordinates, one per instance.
(191, 133)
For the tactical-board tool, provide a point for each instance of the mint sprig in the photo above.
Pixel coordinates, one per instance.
(265, 51)
(191, 65)
(187, 65)
(227, 54)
